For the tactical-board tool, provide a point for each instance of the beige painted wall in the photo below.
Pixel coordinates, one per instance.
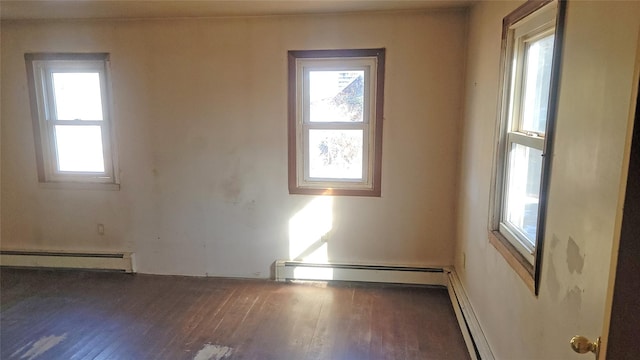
(200, 107)
(594, 105)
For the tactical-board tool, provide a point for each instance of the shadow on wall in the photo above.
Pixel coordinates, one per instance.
(307, 237)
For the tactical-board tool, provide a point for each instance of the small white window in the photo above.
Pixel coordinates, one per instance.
(529, 88)
(335, 119)
(72, 122)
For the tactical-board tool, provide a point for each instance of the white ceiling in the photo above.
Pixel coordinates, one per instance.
(108, 9)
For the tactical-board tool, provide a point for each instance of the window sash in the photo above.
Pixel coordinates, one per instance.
(337, 126)
(54, 164)
(348, 64)
(506, 228)
(518, 83)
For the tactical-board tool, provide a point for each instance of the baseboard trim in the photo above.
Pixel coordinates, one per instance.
(471, 331)
(298, 270)
(118, 261)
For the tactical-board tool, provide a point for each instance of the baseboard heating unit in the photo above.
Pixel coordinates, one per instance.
(471, 330)
(122, 261)
(299, 270)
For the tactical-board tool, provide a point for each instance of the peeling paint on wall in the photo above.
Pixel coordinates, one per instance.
(575, 261)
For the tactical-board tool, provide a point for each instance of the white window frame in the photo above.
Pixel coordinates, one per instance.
(303, 62)
(532, 21)
(40, 69)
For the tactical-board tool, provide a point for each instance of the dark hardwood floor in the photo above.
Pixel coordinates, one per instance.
(93, 315)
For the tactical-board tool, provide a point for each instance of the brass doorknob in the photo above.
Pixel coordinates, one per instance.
(582, 345)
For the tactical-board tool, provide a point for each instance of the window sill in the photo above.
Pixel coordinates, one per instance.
(518, 263)
(80, 186)
(334, 192)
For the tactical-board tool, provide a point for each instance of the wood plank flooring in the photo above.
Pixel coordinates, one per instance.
(94, 315)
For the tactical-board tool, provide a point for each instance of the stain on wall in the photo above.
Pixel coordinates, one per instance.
(573, 299)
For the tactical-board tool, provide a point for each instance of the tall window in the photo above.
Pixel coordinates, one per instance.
(529, 89)
(72, 122)
(335, 121)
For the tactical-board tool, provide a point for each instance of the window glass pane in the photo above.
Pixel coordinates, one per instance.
(537, 79)
(336, 96)
(77, 96)
(523, 191)
(79, 148)
(335, 154)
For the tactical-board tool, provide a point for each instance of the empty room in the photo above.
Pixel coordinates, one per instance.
(318, 179)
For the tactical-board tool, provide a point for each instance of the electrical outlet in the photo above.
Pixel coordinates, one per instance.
(100, 229)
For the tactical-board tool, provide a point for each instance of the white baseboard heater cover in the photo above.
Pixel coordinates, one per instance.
(471, 331)
(123, 261)
(299, 270)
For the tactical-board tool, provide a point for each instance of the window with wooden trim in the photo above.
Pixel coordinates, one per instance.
(71, 118)
(530, 63)
(335, 121)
